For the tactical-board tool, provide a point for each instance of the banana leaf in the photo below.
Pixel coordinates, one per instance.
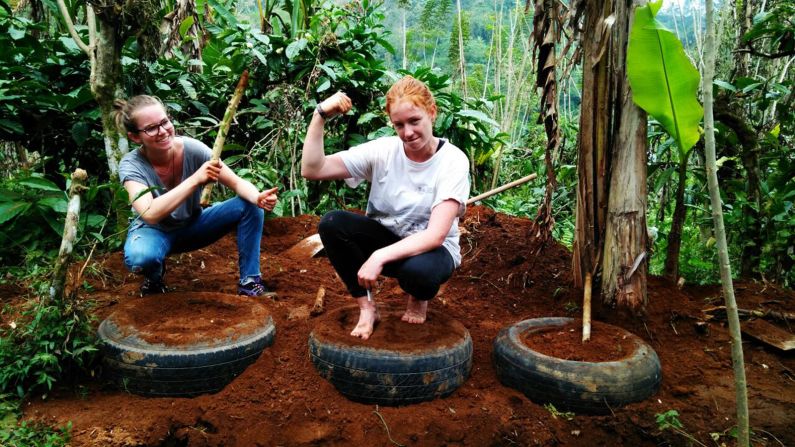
(664, 81)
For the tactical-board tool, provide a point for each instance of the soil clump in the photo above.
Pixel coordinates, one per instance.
(608, 343)
(505, 277)
(391, 333)
(189, 318)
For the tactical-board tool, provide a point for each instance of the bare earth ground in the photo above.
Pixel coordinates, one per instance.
(280, 400)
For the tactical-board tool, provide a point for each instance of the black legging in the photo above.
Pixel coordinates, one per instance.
(350, 239)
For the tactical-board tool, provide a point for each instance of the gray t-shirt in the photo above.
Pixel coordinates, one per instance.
(135, 167)
(404, 192)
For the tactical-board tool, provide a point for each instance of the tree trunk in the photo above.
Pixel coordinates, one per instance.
(105, 77)
(58, 283)
(611, 212)
(678, 221)
(546, 37)
(405, 56)
(592, 146)
(624, 262)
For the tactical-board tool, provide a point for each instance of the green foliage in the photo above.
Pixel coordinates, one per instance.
(31, 219)
(568, 415)
(14, 433)
(46, 341)
(775, 29)
(664, 81)
(45, 102)
(668, 419)
(32, 212)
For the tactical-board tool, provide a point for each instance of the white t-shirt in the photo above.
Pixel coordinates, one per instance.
(403, 192)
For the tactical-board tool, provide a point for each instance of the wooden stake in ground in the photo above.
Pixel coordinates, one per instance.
(223, 129)
(318, 308)
(586, 309)
(58, 283)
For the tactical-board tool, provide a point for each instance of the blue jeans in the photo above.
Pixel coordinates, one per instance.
(147, 247)
(350, 239)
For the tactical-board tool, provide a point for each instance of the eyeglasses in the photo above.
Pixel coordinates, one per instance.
(154, 129)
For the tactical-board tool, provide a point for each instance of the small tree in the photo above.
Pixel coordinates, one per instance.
(738, 362)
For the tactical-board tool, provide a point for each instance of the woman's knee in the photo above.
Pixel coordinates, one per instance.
(139, 260)
(332, 222)
(422, 278)
(421, 287)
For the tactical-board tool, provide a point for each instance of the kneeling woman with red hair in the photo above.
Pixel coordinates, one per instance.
(419, 187)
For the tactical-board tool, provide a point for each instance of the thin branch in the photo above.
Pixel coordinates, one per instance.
(387, 428)
(71, 27)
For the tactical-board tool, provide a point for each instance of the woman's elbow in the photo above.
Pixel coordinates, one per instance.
(438, 240)
(150, 220)
(309, 174)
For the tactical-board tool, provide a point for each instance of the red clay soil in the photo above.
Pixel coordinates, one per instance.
(189, 318)
(281, 401)
(391, 333)
(607, 343)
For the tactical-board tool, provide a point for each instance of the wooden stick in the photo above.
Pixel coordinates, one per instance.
(763, 313)
(501, 188)
(586, 309)
(58, 283)
(318, 307)
(222, 131)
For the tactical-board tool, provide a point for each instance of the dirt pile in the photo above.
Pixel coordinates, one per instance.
(280, 399)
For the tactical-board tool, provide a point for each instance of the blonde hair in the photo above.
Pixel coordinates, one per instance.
(412, 90)
(124, 111)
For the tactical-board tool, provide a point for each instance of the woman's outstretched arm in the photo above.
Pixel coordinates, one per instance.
(315, 165)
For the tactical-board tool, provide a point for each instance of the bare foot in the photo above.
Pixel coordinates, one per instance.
(415, 311)
(368, 317)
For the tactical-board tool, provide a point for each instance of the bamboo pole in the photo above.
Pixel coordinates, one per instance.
(222, 131)
(586, 309)
(501, 188)
(58, 283)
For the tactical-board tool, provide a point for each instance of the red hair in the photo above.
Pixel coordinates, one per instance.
(412, 90)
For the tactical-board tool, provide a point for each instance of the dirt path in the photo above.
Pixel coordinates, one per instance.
(280, 400)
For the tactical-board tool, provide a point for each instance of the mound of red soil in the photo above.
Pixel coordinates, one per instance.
(391, 333)
(607, 343)
(280, 399)
(189, 318)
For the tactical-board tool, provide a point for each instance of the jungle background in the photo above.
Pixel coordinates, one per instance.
(478, 57)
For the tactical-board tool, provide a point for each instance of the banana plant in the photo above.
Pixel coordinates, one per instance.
(665, 84)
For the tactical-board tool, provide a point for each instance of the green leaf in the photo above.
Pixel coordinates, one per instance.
(724, 85)
(295, 48)
(188, 87)
(11, 126)
(15, 33)
(185, 25)
(258, 54)
(217, 8)
(80, 132)
(323, 86)
(664, 81)
(57, 204)
(10, 210)
(478, 115)
(39, 183)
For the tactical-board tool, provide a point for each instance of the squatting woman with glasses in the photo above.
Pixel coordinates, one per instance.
(164, 178)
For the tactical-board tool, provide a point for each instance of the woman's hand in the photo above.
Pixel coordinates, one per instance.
(336, 104)
(368, 273)
(208, 172)
(267, 199)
